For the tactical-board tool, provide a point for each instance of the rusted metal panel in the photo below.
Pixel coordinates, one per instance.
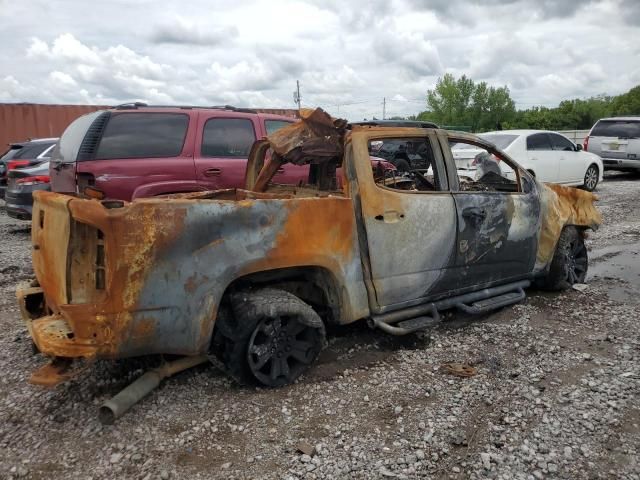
(21, 121)
(168, 262)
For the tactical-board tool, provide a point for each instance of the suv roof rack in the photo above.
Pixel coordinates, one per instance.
(235, 109)
(136, 105)
(397, 123)
(128, 105)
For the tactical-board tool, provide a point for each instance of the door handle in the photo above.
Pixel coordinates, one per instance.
(475, 213)
(212, 172)
(280, 170)
(390, 217)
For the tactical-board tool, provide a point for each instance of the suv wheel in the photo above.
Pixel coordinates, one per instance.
(569, 264)
(591, 178)
(270, 337)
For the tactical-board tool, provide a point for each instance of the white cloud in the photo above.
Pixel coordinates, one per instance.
(182, 30)
(241, 76)
(66, 46)
(333, 81)
(62, 79)
(38, 48)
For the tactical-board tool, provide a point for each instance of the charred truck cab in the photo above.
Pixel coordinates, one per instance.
(252, 276)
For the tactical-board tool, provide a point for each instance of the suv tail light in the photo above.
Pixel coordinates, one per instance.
(11, 164)
(585, 144)
(38, 179)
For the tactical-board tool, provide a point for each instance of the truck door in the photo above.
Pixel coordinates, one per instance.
(409, 219)
(498, 220)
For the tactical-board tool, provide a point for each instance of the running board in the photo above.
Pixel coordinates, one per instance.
(426, 315)
(407, 326)
(493, 303)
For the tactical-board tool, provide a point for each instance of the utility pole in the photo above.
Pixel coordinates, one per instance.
(384, 107)
(296, 94)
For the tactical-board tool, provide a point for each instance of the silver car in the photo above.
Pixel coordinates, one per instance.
(617, 141)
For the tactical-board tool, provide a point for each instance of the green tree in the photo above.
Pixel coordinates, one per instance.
(628, 103)
(482, 107)
(573, 114)
(462, 102)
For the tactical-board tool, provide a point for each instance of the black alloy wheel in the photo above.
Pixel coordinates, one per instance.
(576, 270)
(267, 337)
(280, 349)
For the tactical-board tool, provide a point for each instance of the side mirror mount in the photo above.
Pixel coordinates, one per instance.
(578, 147)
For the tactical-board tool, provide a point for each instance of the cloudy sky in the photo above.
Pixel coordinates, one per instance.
(348, 55)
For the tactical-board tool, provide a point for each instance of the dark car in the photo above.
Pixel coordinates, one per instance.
(24, 154)
(21, 183)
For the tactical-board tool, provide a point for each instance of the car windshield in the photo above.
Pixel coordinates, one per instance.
(617, 128)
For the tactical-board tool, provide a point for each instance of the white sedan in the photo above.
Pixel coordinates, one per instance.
(549, 156)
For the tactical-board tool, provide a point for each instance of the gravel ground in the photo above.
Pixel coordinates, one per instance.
(555, 394)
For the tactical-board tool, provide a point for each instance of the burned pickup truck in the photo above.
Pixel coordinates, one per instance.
(252, 276)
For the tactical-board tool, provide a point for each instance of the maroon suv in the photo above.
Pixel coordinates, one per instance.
(136, 151)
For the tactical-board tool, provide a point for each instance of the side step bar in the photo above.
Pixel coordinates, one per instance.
(409, 325)
(412, 319)
(493, 303)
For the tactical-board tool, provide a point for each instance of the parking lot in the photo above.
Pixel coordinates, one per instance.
(554, 394)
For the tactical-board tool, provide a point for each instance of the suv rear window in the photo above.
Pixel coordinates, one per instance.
(136, 135)
(227, 137)
(617, 128)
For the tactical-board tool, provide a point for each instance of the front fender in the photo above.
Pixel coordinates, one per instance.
(563, 206)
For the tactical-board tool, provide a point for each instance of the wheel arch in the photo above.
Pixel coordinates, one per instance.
(315, 285)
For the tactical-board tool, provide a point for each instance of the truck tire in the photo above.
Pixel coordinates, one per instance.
(569, 264)
(268, 337)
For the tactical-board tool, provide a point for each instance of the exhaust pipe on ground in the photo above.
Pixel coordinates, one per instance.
(114, 408)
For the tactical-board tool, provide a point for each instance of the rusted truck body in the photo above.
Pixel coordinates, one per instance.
(176, 274)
